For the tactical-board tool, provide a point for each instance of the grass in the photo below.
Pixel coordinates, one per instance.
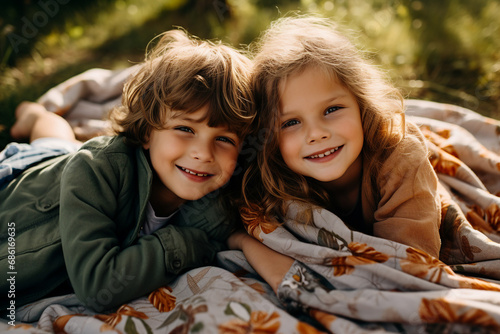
(444, 51)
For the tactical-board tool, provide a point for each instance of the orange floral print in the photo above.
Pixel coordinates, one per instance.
(444, 163)
(303, 328)
(440, 139)
(427, 132)
(493, 214)
(466, 282)
(450, 150)
(477, 209)
(258, 287)
(439, 310)
(421, 264)
(60, 322)
(369, 253)
(255, 223)
(260, 322)
(361, 254)
(477, 218)
(113, 319)
(323, 318)
(162, 299)
(444, 133)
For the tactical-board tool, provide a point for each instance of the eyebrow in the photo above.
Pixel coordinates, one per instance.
(328, 100)
(191, 119)
(225, 129)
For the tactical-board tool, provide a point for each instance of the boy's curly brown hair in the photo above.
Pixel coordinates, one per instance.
(183, 74)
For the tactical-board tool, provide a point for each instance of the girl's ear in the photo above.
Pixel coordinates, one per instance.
(146, 145)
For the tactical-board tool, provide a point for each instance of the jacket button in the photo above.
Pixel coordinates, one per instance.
(177, 264)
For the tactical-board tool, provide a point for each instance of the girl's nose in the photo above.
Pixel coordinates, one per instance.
(317, 133)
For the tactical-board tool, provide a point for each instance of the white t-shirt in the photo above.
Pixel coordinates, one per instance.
(153, 222)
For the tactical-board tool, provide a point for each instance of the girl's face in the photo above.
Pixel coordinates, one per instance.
(321, 133)
(190, 158)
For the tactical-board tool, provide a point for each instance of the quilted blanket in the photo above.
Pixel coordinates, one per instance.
(342, 281)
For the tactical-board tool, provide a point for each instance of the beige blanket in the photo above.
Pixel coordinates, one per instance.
(343, 281)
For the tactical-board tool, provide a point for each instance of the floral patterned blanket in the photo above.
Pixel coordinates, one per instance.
(342, 281)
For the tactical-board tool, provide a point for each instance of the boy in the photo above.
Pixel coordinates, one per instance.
(104, 222)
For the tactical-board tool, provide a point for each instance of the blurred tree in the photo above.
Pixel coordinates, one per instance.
(456, 49)
(441, 54)
(276, 3)
(220, 7)
(23, 22)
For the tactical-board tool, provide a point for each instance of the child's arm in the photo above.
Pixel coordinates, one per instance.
(269, 264)
(409, 210)
(106, 263)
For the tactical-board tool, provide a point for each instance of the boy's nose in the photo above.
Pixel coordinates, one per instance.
(202, 152)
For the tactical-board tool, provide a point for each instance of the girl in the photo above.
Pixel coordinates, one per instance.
(336, 132)
(102, 221)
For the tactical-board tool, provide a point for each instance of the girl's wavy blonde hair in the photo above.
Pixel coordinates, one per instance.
(289, 46)
(183, 74)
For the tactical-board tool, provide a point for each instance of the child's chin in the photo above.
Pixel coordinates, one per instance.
(195, 193)
(193, 196)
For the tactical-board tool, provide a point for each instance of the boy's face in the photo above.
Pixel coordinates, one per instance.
(190, 158)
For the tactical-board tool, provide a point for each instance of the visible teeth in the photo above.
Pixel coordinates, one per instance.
(321, 155)
(193, 173)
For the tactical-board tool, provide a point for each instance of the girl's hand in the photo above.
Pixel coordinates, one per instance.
(236, 240)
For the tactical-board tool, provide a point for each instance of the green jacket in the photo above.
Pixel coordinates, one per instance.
(79, 216)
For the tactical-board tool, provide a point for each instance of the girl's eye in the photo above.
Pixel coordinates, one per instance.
(226, 140)
(184, 129)
(289, 123)
(330, 110)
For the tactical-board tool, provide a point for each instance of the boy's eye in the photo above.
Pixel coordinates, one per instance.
(226, 140)
(289, 123)
(184, 129)
(330, 110)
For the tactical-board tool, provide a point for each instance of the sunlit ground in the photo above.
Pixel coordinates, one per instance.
(445, 51)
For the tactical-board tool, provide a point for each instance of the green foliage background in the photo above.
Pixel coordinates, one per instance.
(445, 51)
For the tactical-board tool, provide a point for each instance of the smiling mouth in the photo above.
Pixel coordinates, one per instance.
(188, 171)
(324, 154)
